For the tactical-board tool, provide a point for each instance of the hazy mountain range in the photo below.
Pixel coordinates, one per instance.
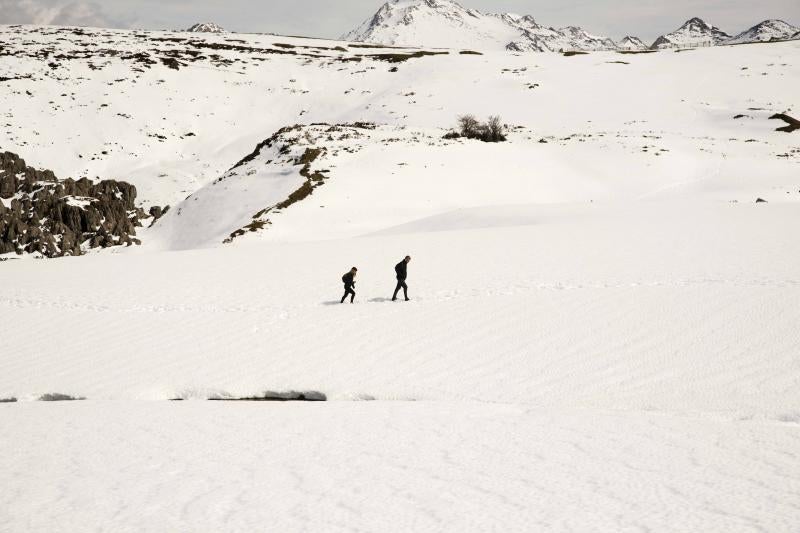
(448, 24)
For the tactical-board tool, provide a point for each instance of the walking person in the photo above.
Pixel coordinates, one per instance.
(401, 269)
(349, 281)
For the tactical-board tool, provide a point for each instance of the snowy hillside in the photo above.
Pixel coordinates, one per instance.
(447, 24)
(602, 332)
(694, 32)
(212, 99)
(769, 30)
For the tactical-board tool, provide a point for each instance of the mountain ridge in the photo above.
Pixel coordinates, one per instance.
(449, 24)
(765, 31)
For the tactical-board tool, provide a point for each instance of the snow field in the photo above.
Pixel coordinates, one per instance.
(645, 306)
(378, 466)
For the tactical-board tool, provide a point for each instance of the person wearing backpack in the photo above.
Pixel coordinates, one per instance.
(349, 281)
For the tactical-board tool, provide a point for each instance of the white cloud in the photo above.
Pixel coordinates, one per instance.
(76, 13)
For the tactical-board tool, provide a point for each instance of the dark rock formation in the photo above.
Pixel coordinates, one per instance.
(41, 213)
(793, 123)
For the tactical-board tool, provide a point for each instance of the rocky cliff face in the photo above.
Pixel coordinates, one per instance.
(41, 213)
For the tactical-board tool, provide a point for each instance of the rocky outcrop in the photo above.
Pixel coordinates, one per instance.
(41, 213)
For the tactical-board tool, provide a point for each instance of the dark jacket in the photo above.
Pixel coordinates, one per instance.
(402, 270)
(348, 280)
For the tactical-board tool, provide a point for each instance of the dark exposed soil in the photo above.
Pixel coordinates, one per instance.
(400, 58)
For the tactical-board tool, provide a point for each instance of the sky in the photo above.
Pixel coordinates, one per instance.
(331, 18)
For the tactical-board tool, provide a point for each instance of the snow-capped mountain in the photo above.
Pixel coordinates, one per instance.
(631, 43)
(206, 27)
(448, 24)
(695, 32)
(587, 41)
(769, 30)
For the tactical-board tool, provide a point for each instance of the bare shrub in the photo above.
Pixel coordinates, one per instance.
(470, 126)
(492, 131)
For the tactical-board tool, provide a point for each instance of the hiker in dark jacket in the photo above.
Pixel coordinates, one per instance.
(349, 281)
(401, 269)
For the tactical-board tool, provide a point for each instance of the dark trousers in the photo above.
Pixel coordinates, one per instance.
(351, 291)
(401, 284)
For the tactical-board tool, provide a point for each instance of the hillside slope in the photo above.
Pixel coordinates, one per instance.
(212, 99)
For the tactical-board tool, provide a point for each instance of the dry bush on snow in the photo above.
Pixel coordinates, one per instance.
(471, 128)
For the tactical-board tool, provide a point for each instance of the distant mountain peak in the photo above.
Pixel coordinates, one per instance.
(696, 21)
(693, 32)
(206, 27)
(630, 42)
(765, 31)
(448, 24)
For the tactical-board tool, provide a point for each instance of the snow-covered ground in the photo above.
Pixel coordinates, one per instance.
(571, 368)
(424, 466)
(603, 327)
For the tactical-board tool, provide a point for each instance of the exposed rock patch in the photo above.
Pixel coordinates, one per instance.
(793, 123)
(269, 396)
(400, 58)
(41, 213)
(58, 397)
